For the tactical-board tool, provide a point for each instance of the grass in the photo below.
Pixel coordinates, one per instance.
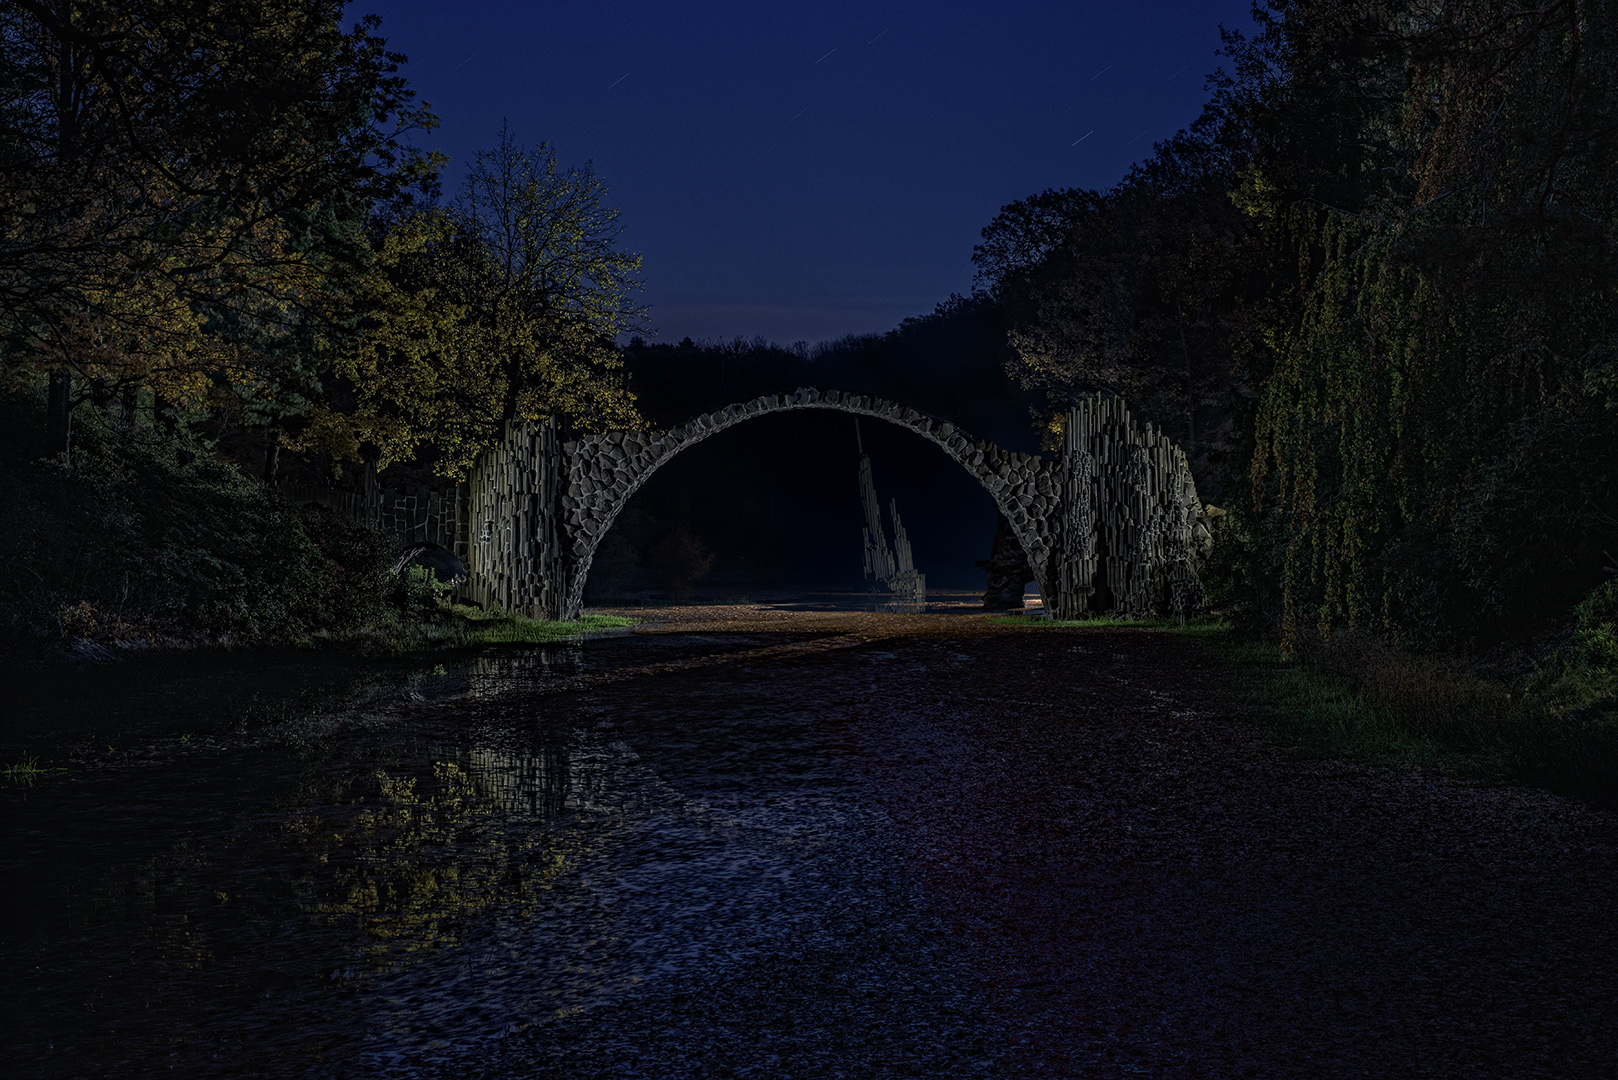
(1323, 716)
(1359, 698)
(475, 626)
(26, 773)
(458, 626)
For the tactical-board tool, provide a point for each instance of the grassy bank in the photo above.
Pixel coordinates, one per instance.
(1362, 699)
(469, 626)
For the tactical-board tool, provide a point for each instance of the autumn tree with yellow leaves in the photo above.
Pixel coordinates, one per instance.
(184, 186)
(502, 306)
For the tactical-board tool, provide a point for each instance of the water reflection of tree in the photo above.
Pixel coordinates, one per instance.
(425, 854)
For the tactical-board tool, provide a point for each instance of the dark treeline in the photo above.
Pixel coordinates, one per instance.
(948, 364)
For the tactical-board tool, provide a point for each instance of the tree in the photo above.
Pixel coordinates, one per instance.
(183, 186)
(503, 306)
(1436, 185)
(1392, 229)
(1133, 291)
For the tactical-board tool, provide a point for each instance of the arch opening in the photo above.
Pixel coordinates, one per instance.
(598, 493)
(777, 505)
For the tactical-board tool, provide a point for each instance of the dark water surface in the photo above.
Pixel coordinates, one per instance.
(773, 844)
(305, 866)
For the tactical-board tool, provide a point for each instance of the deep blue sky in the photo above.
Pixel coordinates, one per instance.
(806, 170)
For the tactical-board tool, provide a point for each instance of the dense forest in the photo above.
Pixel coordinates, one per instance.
(1370, 291)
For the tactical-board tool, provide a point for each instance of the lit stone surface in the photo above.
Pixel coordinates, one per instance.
(538, 507)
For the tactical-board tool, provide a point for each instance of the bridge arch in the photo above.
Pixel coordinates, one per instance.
(1118, 505)
(604, 471)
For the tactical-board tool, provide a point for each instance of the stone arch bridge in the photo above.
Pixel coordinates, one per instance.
(1112, 522)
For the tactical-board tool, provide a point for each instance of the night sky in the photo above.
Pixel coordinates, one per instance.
(803, 171)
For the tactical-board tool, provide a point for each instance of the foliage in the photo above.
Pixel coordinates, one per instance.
(27, 772)
(1388, 244)
(182, 190)
(503, 306)
(1440, 181)
(142, 538)
(1130, 292)
(418, 594)
(1583, 677)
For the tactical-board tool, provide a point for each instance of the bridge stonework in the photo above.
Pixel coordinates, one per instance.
(1115, 502)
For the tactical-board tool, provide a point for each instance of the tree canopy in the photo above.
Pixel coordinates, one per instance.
(183, 188)
(1379, 270)
(504, 305)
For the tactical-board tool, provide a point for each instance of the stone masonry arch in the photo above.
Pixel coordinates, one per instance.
(605, 470)
(539, 507)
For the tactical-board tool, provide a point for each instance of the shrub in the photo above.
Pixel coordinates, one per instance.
(418, 594)
(145, 534)
(1423, 695)
(1583, 677)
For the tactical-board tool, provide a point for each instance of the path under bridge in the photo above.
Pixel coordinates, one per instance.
(1112, 522)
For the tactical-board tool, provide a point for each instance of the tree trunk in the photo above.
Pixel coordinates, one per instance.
(129, 400)
(59, 414)
(272, 456)
(163, 415)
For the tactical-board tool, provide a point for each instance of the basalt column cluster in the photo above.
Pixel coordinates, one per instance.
(887, 569)
(1132, 528)
(517, 552)
(1111, 524)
